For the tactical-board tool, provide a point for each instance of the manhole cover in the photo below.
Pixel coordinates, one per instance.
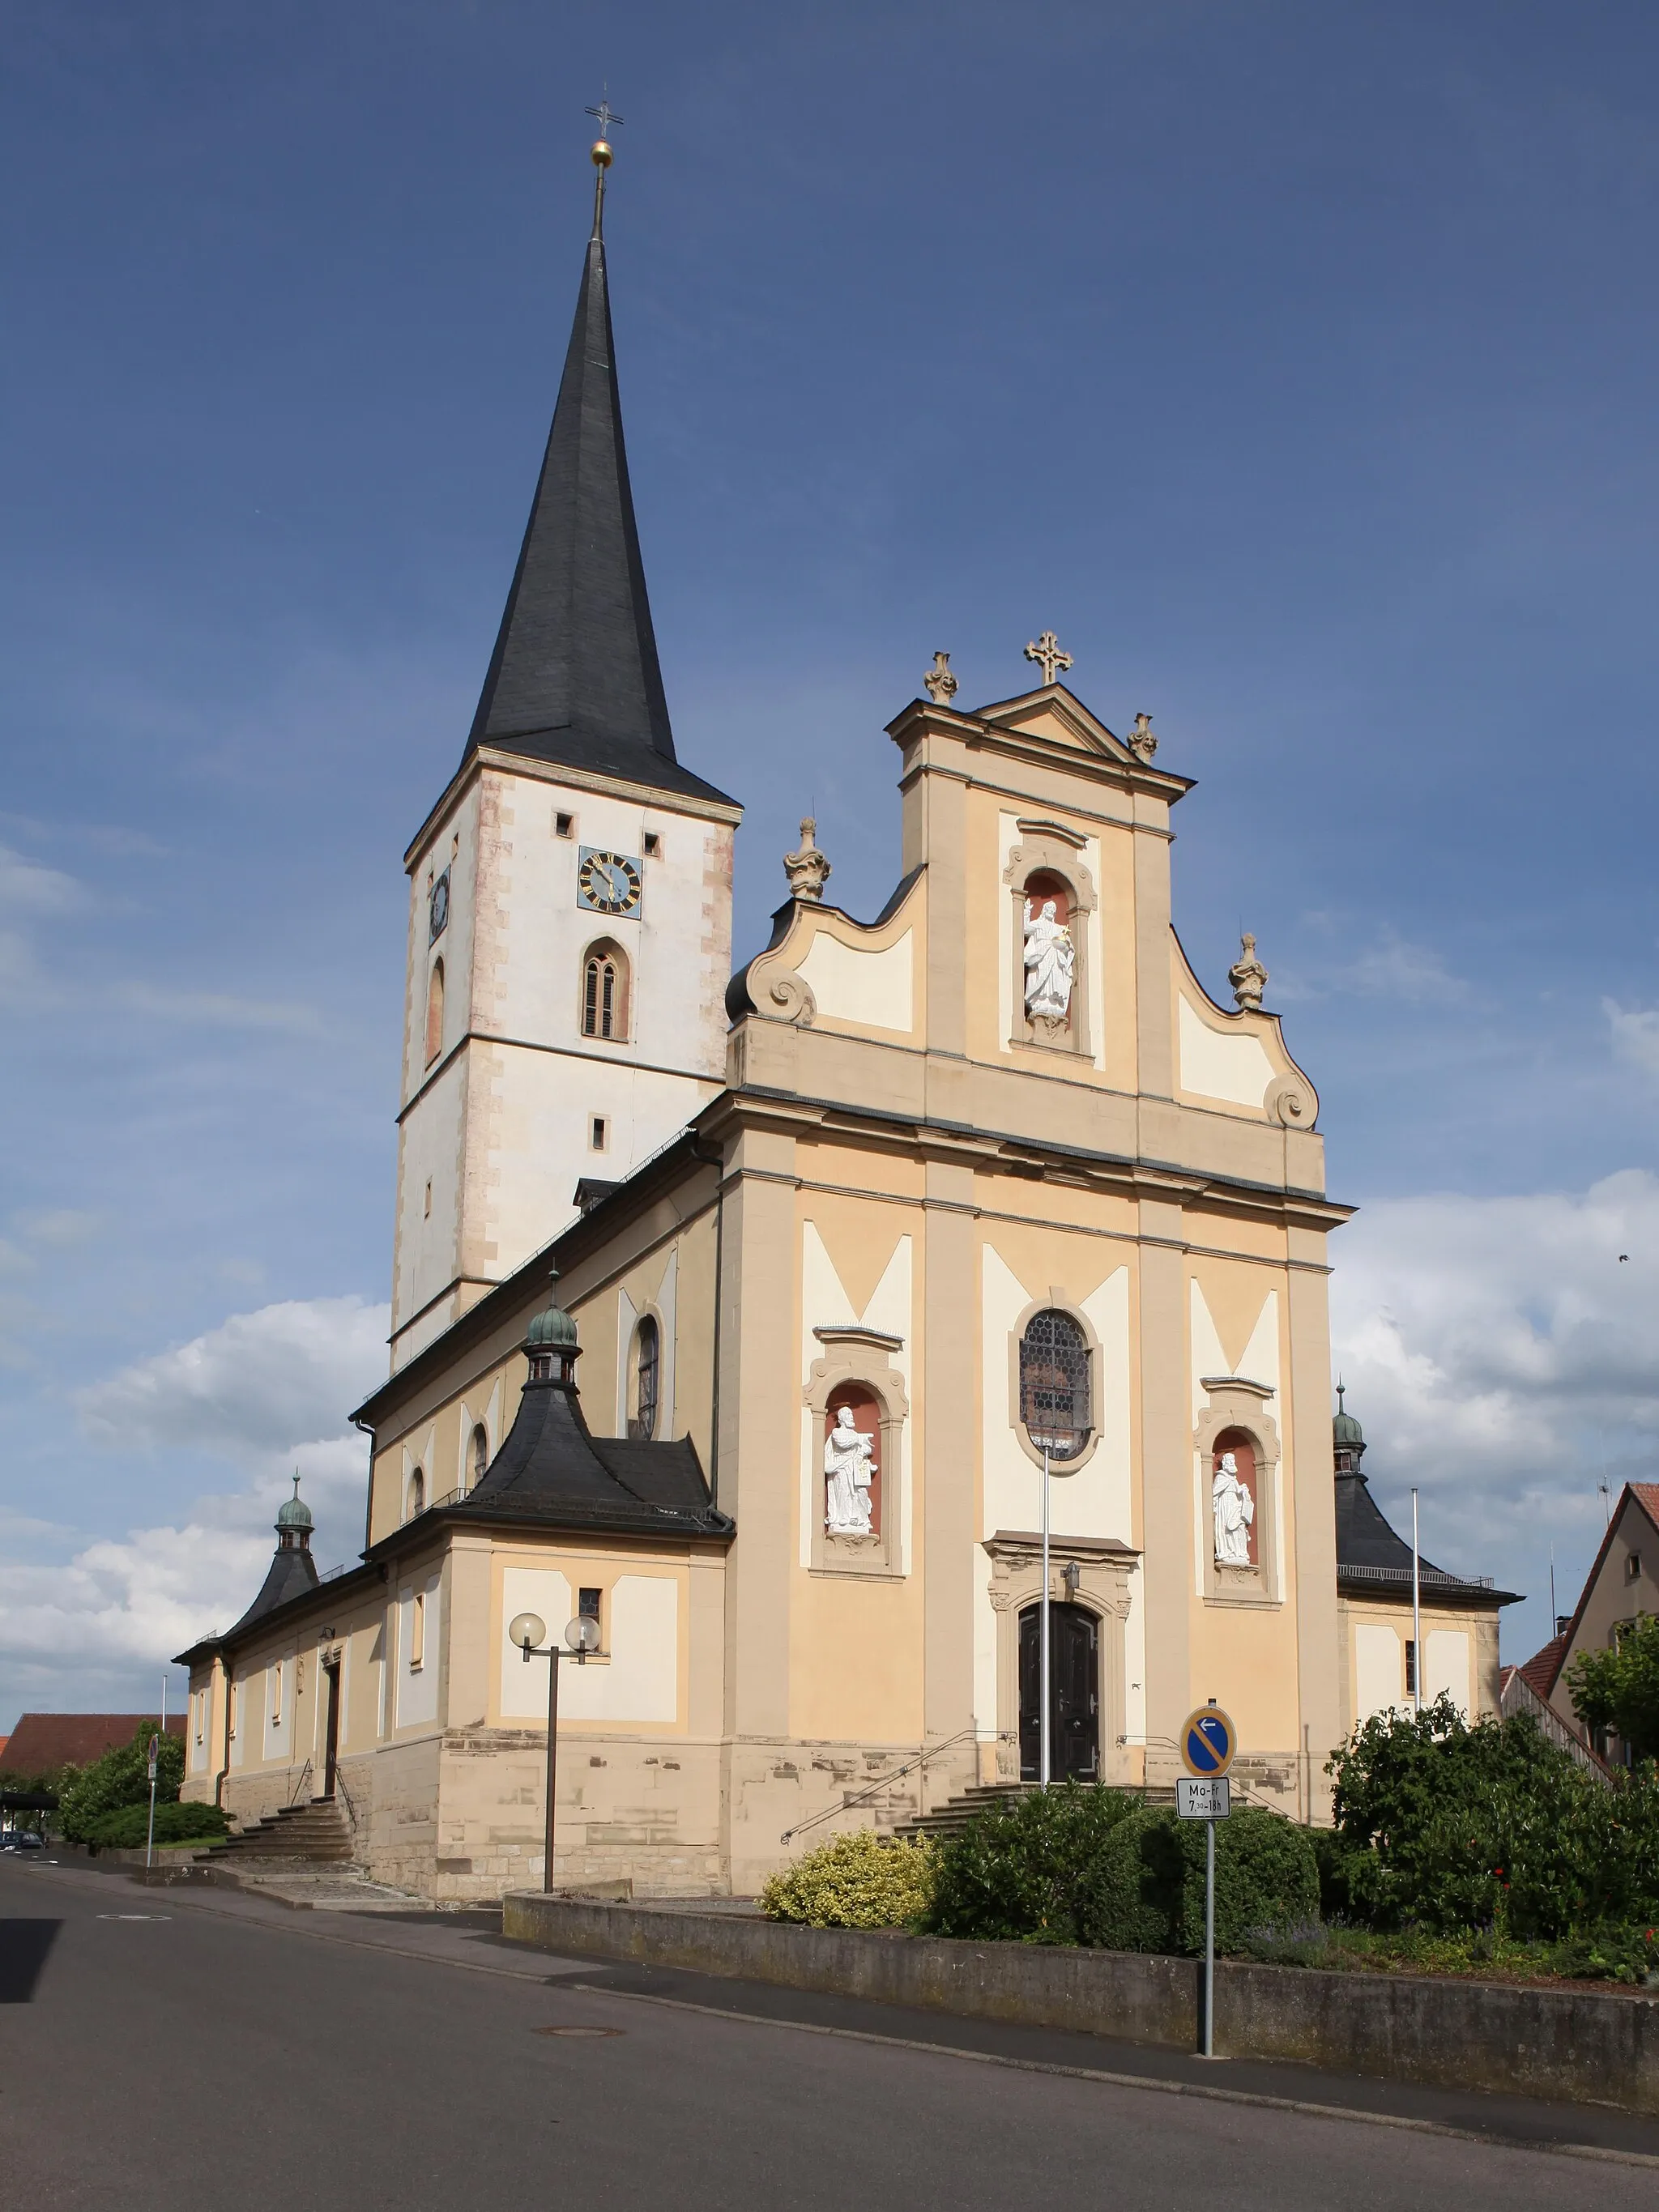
(581, 2031)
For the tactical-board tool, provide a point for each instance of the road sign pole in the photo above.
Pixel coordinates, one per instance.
(1209, 1939)
(1045, 1754)
(149, 1840)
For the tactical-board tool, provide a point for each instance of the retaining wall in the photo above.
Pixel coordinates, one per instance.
(1572, 2044)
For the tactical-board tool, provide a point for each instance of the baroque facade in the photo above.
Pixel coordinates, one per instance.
(858, 1250)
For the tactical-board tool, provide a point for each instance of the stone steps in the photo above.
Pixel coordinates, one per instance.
(318, 1833)
(949, 1818)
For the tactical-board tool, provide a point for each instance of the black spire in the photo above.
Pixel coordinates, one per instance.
(575, 677)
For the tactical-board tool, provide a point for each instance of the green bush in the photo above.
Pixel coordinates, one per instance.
(125, 1828)
(853, 1881)
(121, 1778)
(1015, 1870)
(1447, 1827)
(1146, 1890)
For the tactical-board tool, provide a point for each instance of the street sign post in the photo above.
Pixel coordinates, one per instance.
(1208, 1742)
(149, 1840)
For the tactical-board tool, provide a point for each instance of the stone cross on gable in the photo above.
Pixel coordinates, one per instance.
(1047, 650)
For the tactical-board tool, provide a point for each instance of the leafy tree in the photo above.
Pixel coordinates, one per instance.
(1619, 1689)
(1447, 1827)
(121, 1778)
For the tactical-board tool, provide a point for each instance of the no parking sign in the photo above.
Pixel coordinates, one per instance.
(1208, 1741)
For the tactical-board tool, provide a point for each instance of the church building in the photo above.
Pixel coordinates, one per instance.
(759, 1318)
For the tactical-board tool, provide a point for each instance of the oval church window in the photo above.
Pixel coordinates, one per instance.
(1054, 1393)
(851, 1461)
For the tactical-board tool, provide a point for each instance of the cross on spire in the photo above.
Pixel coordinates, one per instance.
(604, 115)
(1047, 650)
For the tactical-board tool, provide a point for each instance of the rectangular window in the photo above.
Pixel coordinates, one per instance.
(652, 846)
(600, 1134)
(1633, 1568)
(235, 1706)
(564, 825)
(1410, 1668)
(587, 1604)
(276, 1695)
(418, 1633)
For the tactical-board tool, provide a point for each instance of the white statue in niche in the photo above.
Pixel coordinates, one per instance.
(1050, 965)
(849, 1463)
(1234, 1509)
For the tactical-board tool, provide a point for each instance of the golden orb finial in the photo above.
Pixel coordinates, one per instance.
(601, 153)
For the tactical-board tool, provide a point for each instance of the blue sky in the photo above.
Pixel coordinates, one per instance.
(1294, 363)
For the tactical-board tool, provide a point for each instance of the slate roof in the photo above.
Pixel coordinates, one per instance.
(1372, 1556)
(43, 1741)
(552, 1470)
(575, 677)
(291, 1573)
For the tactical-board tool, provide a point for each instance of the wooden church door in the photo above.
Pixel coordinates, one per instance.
(1073, 1695)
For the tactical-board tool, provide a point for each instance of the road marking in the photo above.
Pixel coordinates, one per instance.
(135, 1916)
(578, 2031)
(1217, 2096)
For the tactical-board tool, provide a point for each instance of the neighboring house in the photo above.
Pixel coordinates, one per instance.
(1378, 1649)
(42, 1742)
(1623, 1582)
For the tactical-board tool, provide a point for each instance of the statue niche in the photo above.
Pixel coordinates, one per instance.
(852, 1468)
(1048, 954)
(1233, 1499)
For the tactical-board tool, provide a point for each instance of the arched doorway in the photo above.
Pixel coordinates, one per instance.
(1073, 1694)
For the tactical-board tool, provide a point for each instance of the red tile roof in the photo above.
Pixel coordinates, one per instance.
(1539, 1673)
(43, 1741)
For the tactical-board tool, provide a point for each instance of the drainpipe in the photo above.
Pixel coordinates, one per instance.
(223, 1666)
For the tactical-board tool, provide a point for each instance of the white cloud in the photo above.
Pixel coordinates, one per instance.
(260, 1382)
(28, 887)
(1501, 1355)
(1635, 1034)
(267, 1392)
(1394, 967)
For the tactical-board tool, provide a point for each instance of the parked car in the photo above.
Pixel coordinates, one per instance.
(20, 1839)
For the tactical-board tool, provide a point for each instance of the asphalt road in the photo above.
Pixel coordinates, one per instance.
(158, 2050)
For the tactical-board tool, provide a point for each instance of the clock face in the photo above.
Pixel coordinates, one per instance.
(607, 882)
(438, 910)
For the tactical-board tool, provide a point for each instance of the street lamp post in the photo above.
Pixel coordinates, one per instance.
(581, 1635)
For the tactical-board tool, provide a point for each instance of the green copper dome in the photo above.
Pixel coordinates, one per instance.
(553, 1328)
(1344, 1429)
(293, 1512)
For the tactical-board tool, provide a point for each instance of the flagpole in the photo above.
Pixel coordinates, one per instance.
(1417, 1614)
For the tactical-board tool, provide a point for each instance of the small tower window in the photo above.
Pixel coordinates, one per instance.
(605, 992)
(1054, 1384)
(480, 1453)
(434, 1012)
(417, 1494)
(647, 1363)
(652, 846)
(599, 1132)
(564, 825)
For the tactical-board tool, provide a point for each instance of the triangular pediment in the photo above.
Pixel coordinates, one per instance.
(1054, 716)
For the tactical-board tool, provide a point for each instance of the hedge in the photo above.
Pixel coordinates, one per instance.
(1144, 1890)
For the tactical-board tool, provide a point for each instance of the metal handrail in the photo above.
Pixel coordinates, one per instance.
(301, 1784)
(1437, 1576)
(351, 1810)
(880, 1784)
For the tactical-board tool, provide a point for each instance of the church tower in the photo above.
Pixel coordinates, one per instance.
(570, 894)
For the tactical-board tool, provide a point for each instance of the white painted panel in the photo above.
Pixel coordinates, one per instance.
(1448, 1667)
(643, 1641)
(543, 1592)
(243, 1699)
(1379, 1672)
(1207, 1358)
(851, 985)
(279, 1707)
(1095, 1501)
(416, 1688)
(1215, 1065)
